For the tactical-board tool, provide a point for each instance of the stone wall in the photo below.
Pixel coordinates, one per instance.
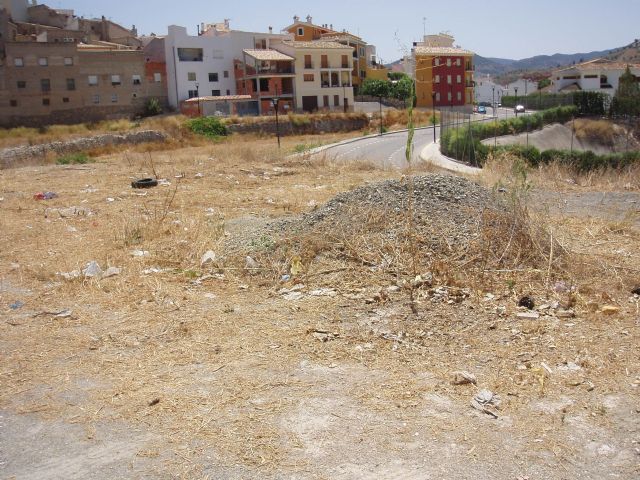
(9, 157)
(302, 126)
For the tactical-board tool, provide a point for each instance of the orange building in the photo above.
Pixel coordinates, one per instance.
(443, 73)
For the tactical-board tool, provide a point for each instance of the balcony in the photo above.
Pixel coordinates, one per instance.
(470, 68)
(308, 65)
(277, 71)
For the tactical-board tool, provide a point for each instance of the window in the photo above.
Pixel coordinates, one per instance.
(43, 61)
(437, 80)
(228, 92)
(459, 96)
(191, 76)
(458, 62)
(115, 80)
(361, 52)
(18, 62)
(459, 78)
(96, 99)
(437, 96)
(324, 61)
(114, 98)
(448, 62)
(264, 84)
(137, 79)
(345, 61)
(65, 99)
(215, 93)
(225, 74)
(591, 76)
(13, 103)
(437, 61)
(307, 61)
(157, 77)
(46, 102)
(336, 100)
(363, 74)
(325, 100)
(218, 54)
(71, 83)
(45, 85)
(449, 79)
(68, 61)
(300, 31)
(22, 84)
(213, 77)
(308, 77)
(193, 93)
(449, 96)
(190, 54)
(93, 80)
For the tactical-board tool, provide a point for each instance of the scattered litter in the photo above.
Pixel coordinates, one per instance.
(163, 182)
(70, 275)
(526, 302)
(210, 296)
(528, 315)
(293, 293)
(140, 253)
(487, 402)
(16, 305)
(285, 278)
(92, 270)
(293, 296)
(464, 378)
(208, 257)
(561, 287)
(569, 367)
(296, 266)
(66, 313)
(112, 272)
(154, 402)
(144, 183)
(610, 309)
(110, 199)
(71, 229)
(199, 175)
(68, 212)
(89, 189)
(323, 292)
(565, 314)
(324, 335)
(151, 270)
(45, 195)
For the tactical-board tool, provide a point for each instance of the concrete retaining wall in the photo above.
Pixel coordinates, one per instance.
(302, 127)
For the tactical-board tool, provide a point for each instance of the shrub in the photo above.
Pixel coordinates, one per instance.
(73, 159)
(210, 127)
(152, 107)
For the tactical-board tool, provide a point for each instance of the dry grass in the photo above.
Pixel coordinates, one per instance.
(397, 119)
(224, 353)
(602, 132)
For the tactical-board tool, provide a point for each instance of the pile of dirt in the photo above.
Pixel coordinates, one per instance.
(457, 225)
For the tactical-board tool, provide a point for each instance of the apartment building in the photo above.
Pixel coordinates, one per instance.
(203, 65)
(599, 75)
(52, 74)
(443, 73)
(323, 79)
(267, 75)
(364, 64)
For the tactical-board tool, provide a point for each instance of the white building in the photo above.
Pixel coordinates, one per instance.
(203, 64)
(524, 86)
(487, 90)
(598, 75)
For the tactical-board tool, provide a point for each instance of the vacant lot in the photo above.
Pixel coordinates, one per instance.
(330, 352)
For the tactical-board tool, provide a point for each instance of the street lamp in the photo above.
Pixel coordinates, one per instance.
(516, 89)
(276, 100)
(198, 96)
(493, 99)
(380, 104)
(433, 108)
(344, 96)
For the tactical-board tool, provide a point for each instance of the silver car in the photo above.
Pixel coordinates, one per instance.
(519, 109)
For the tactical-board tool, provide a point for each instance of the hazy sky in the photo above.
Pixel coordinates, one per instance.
(493, 28)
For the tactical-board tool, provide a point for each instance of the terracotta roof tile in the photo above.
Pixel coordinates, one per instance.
(267, 55)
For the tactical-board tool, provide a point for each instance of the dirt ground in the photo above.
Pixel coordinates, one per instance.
(175, 369)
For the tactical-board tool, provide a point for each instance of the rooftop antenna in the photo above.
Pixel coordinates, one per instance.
(424, 26)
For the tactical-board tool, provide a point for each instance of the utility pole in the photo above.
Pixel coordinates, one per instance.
(433, 107)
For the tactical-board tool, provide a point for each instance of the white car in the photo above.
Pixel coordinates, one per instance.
(519, 109)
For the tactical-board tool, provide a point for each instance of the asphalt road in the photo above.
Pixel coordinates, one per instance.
(388, 150)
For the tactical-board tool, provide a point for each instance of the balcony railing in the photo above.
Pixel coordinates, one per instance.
(308, 66)
(280, 70)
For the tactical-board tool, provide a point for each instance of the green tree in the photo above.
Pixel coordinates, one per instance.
(375, 88)
(627, 99)
(397, 75)
(545, 82)
(402, 89)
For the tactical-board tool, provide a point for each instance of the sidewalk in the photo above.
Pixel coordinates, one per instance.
(431, 154)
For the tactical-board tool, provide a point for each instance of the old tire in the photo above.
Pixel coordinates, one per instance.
(145, 183)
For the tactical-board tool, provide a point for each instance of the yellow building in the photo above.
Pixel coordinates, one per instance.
(443, 73)
(362, 65)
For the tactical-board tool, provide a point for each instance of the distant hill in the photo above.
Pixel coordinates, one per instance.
(630, 53)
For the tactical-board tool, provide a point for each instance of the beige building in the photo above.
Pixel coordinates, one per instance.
(323, 78)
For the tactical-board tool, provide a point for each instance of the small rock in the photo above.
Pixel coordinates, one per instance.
(526, 302)
(486, 402)
(70, 275)
(565, 314)
(140, 253)
(16, 305)
(112, 272)
(609, 309)
(464, 378)
(528, 315)
(199, 175)
(636, 291)
(210, 296)
(208, 257)
(92, 270)
(251, 264)
(323, 292)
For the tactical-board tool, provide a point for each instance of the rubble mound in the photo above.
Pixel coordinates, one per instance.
(458, 229)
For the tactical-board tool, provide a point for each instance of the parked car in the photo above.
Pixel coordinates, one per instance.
(519, 109)
(482, 109)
